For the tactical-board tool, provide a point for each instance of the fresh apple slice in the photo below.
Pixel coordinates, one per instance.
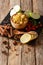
(32, 14)
(15, 9)
(12, 12)
(25, 38)
(35, 15)
(28, 13)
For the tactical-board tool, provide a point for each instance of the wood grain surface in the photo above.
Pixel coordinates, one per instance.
(28, 54)
(34, 5)
(3, 51)
(14, 53)
(38, 6)
(26, 4)
(4, 8)
(28, 57)
(14, 2)
(39, 50)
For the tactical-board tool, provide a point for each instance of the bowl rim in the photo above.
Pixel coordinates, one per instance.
(17, 23)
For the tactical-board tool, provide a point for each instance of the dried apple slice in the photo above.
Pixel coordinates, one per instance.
(33, 34)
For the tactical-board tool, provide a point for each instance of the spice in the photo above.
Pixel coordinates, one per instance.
(5, 53)
(8, 47)
(15, 43)
(5, 42)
